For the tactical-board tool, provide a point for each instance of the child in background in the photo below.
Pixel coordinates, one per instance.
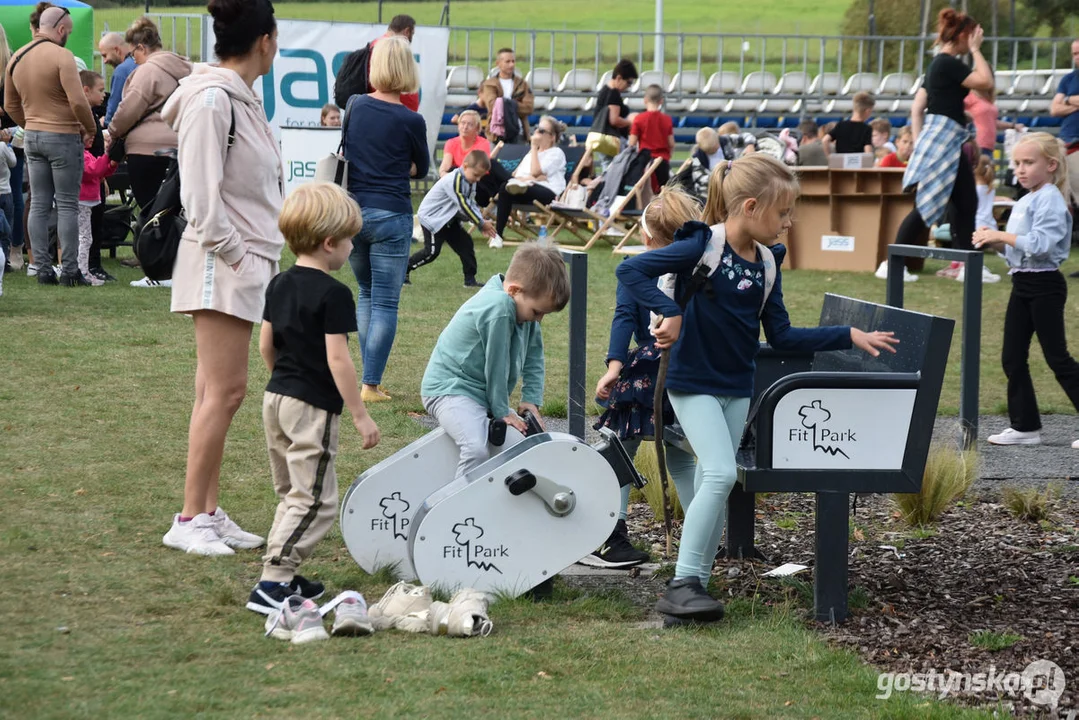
(653, 130)
(453, 196)
(304, 343)
(882, 135)
(628, 386)
(985, 179)
(331, 116)
(7, 205)
(734, 142)
(95, 170)
(610, 118)
(493, 339)
(714, 343)
(853, 135)
(1036, 242)
(706, 156)
(904, 143)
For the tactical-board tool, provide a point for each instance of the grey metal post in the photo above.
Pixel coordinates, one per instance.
(970, 371)
(578, 333)
(830, 570)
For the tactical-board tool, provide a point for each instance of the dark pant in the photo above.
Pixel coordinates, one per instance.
(146, 173)
(490, 183)
(506, 201)
(7, 220)
(963, 207)
(1036, 306)
(18, 221)
(97, 229)
(457, 238)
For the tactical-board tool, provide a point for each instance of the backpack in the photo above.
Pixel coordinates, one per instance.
(708, 264)
(352, 77)
(161, 224)
(504, 124)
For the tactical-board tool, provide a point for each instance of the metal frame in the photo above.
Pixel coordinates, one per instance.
(578, 332)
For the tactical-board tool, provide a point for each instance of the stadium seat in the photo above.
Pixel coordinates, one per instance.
(686, 84)
(756, 83)
(793, 85)
(1053, 83)
(544, 82)
(635, 97)
(823, 88)
(714, 95)
(894, 94)
(858, 82)
(581, 82)
(1025, 86)
(462, 81)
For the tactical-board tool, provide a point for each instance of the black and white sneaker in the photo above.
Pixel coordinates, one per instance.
(687, 599)
(617, 552)
(269, 598)
(75, 279)
(101, 274)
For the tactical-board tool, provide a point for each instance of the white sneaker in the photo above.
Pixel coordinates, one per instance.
(57, 270)
(196, 536)
(464, 616)
(31, 271)
(399, 601)
(988, 276)
(232, 535)
(882, 273)
(516, 187)
(495, 242)
(1015, 437)
(351, 618)
(298, 620)
(147, 282)
(1075, 445)
(16, 259)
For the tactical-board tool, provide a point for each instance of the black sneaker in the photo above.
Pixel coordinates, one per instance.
(617, 552)
(101, 274)
(687, 599)
(471, 282)
(307, 589)
(47, 277)
(75, 279)
(407, 281)
(267, 601)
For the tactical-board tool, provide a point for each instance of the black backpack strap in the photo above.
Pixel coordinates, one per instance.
(232, 125)
(15, 61)
(344, 124)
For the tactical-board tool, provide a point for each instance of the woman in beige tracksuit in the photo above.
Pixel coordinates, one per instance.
(229, 251)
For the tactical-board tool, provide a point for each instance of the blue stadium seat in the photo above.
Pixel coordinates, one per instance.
(763, 121)
(790, 121)
(1046, 121)
(695, 121)
(444, 136)
(567, 119)
(447, 118)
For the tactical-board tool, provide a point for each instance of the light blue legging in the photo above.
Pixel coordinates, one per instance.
(681, 466)
(706, 421)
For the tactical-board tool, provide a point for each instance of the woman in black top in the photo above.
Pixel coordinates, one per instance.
(947, 82)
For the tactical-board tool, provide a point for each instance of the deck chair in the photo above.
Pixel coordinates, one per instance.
(622, 248)
(521, 220)
(619, 222)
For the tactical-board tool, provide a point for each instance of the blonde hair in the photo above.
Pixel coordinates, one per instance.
(472, 114)
(707, 140)
(314, 212)
(393, 69)
(984, 170)
(541, 273)
(667, 212)
(904, 131)
(1051, 149)
(758, 176)
(863, 101)
(478, 160)
(882, 125)
(728, 128)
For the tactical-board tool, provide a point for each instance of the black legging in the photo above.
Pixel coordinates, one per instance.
(506, 202)
(962, 210)
(146, 173)
(489, 184)
(457, 238)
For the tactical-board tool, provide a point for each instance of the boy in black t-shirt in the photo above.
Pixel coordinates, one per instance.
(854, 135)
(611, 116)
(304, 341)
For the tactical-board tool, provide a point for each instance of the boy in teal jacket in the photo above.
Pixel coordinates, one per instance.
(492, 340)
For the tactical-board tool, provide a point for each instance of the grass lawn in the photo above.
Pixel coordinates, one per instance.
(102, 621)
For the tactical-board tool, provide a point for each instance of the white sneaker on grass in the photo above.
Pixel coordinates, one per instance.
(465, 615)
(350, 617)
(233, 535)
(399, 601)
(495, 242)
(988, 277)
(147, 282)
(1016, 437)
(298, 620)
(882, 273)
(197, 536)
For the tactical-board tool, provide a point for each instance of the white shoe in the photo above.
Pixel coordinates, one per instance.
(298, 620)
(463, 616)
(31, 271)
(351, 618)
(516, 187)
(147, 282)
(882, 273)
(234, 536)
(495, 242)
(988, 276)
(1015, 437)
(400, 600)
(196, 536)
(16, 260)
(1075, 445)
(58, 270)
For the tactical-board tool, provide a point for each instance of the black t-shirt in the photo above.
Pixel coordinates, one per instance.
(303, 305)
(601, 120)
(851, 136)
(944, 86)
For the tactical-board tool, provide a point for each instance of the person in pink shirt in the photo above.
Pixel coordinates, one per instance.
(467, 140)
(982, 108)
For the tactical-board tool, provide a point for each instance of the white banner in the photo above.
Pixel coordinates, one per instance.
(309, 56)
(302, 148)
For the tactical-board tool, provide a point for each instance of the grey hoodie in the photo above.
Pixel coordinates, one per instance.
(232, 196)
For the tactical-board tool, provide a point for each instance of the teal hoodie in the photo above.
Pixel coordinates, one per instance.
(483, 351)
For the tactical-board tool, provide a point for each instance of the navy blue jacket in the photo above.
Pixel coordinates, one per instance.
(716, 353)
(631, 322)
(382, 140)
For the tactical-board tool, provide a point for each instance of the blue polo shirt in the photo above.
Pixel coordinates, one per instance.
(1069, 129)
(116, 89)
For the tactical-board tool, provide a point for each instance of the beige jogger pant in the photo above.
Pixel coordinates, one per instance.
(302, 440)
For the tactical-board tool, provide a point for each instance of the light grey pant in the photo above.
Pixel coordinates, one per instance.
(466, 421)
(55, 162)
